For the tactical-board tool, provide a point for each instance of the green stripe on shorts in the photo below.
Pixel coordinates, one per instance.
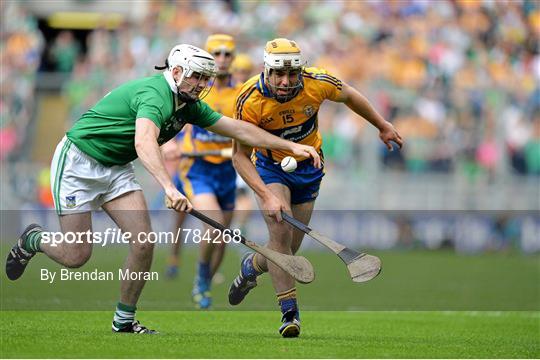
(58, 177)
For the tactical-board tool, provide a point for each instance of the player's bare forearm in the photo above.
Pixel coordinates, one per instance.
(245, 168)
(146, 133)
(251, 135)
(361, 105)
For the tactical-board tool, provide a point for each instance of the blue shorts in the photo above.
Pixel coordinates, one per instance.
(197, 176)
(304, 182)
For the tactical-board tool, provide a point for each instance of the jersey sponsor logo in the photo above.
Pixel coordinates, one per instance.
(174, 123)
(294, 130)
(297, 132)
(171, 128)
(286, 112)
(71, 201)
(177, 125)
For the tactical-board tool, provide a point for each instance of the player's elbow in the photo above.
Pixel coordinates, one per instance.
(146, 134)
(238, 158)
(141, 144)
(235, 161)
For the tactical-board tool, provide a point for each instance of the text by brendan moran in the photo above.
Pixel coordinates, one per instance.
(96, 275)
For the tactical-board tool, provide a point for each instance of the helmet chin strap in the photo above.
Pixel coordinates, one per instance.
(287, 97)
(182, 95)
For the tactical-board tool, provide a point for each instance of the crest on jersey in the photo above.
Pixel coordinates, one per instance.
(71, 201)
(309, 110)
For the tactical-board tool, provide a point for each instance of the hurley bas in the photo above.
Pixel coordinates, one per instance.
(96, 275)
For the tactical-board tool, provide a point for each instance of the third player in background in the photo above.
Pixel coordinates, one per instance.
(210, 182)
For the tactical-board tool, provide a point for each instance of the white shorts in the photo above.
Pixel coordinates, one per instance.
(80, 184)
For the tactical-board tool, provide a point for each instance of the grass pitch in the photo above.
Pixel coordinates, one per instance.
(231, 334)
(423, 305)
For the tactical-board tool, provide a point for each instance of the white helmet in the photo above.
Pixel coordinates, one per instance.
(193, 61)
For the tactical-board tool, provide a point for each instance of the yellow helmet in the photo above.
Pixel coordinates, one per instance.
(283, 55)
(219, 42)
(242, 62)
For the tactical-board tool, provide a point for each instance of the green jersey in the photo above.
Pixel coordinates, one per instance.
(106, 132)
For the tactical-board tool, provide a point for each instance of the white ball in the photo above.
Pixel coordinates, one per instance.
(288, 164)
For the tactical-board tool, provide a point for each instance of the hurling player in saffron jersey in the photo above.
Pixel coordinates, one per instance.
(284, 100)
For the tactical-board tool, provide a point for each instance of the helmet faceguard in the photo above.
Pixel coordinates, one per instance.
(283, 63)
(217, 44)
(194, 87)
(198, 71)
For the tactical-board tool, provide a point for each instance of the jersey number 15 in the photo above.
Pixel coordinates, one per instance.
(287, 119)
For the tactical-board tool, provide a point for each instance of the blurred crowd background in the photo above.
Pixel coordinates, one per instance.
(459, 78)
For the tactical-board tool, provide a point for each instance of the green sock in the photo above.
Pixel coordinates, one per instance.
(33, 242)
(124, 315)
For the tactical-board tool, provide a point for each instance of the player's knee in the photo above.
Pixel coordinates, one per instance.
(143, 249)
(280, 231)
(280, 244)
(77, 259)
(220, 246)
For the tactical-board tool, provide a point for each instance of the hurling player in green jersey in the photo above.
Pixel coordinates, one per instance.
(92, 168)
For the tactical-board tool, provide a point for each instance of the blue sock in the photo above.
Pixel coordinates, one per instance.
(204, 270)
(249, 268)
(288, 305)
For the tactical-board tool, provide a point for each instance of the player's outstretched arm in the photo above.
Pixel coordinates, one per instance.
(360, 105)
(170, 150)
(147, 147)
(245, 168)
(252, 135)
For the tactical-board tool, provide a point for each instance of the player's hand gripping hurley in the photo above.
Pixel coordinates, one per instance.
(297, 266)
(362, 267)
